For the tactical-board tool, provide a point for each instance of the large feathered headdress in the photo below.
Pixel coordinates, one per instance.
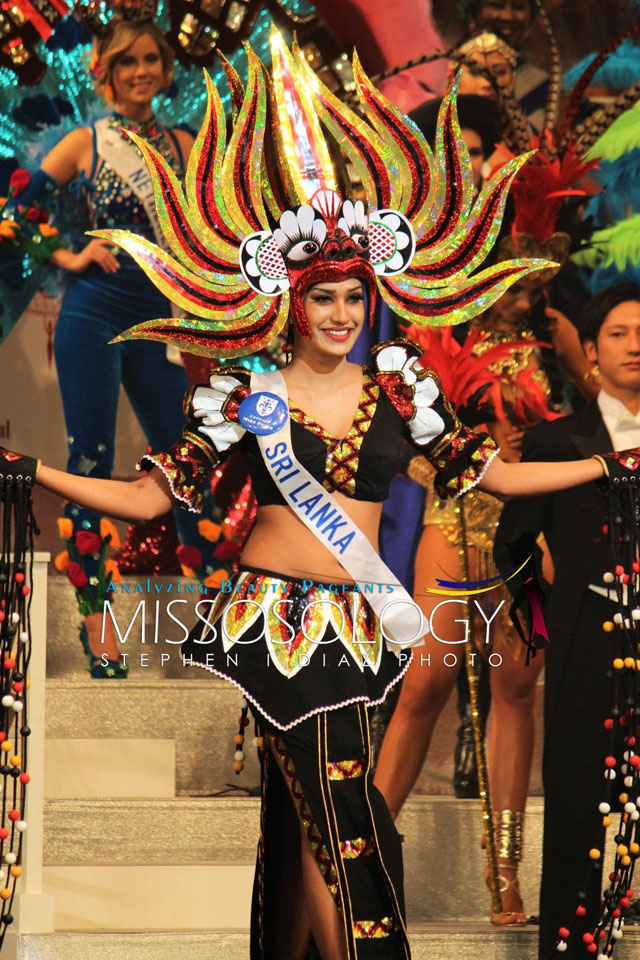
(266, 215)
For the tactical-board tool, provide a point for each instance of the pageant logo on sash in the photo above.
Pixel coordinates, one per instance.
(262, 413)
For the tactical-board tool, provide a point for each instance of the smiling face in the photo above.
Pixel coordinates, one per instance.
(335, 313)
(139, 74)
(617, 349)
(510, 19)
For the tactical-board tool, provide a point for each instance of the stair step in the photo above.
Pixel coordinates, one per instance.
(195, 897)
(460, 941)
(109, 768)
(178, 831)
(225, 830)
(65, 660)
(200, 716)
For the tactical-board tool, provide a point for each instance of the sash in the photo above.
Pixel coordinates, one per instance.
(401, 620)
(124, 159)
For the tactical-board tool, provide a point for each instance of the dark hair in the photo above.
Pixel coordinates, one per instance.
(474, 113)
(599, 307)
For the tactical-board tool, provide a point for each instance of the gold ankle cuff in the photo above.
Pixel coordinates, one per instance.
(508, 826)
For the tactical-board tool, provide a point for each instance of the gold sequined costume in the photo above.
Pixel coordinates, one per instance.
(516, 373)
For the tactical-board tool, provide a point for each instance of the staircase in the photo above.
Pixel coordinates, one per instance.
(145, 863)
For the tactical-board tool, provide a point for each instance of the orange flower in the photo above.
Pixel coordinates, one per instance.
(106, 528)
(47, 230)
(8, 228)
(111, 567)
(65, 528)
(209, 530)
(62, 561)
(187, 571)
(227, 529)
(215, 579)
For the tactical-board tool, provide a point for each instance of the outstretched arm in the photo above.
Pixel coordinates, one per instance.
(133, 500)
(528, 479)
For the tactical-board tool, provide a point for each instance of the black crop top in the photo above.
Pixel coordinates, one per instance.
(401, 411)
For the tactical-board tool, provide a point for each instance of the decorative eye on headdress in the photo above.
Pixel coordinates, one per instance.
(391, 242)
(355, 223)
(300, 234)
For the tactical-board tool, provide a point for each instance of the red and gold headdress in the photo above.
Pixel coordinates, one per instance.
(265, 216)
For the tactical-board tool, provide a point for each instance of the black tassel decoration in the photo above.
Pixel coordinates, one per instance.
(18, 527)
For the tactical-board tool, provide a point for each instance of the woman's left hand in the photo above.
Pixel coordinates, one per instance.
(570, 355)
(564, 336)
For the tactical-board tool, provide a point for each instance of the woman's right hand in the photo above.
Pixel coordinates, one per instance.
(96, 251)
(508, 438)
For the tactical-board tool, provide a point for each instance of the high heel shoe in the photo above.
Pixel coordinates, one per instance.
(508, 826)
(114, 669)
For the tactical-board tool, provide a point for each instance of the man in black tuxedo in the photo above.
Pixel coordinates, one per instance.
(579, 655)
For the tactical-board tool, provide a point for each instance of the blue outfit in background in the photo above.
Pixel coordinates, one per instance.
(96, 307)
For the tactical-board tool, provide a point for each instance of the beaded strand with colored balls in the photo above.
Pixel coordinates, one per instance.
(622, 763)
(239, 738)
(243, 721)
(16, 574)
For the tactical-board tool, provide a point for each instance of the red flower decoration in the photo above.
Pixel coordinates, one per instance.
(227, 550)
(43, 216)
(32, 214)
(19, 181)
(77, 576)
(189, 557)
(87, 542)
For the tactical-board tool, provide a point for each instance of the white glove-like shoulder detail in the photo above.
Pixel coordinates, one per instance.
(426, 424)
(396, 359)
(207, 406)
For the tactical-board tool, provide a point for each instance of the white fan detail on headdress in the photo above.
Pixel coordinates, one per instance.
(392, 242)
(262, 264)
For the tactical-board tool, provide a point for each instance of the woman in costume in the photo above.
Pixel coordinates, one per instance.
(501, 362)
(520, 386)
(107, 292)
(263, 236)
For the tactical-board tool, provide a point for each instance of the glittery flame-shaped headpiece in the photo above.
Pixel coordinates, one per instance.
(265, 216)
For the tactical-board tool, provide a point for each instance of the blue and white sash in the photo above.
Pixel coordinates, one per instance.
(401, 620)
(124, 159)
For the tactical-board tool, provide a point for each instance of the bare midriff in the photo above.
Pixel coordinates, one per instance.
(281, 543)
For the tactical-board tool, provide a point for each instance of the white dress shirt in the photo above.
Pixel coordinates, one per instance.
(623, 426)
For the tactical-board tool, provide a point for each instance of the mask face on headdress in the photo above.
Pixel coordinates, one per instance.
(328, 239)
(267, 215)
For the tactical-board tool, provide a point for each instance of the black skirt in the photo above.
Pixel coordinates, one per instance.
(295, 648)
(326, 761)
